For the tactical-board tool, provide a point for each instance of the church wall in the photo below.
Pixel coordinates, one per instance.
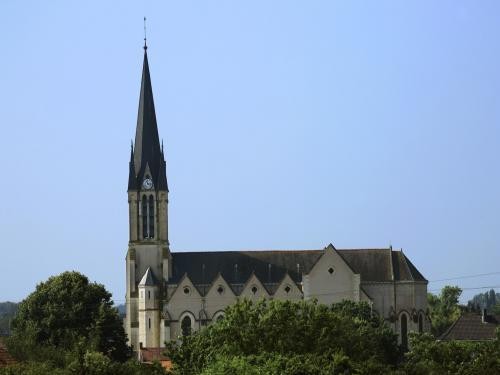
(421, 296)
(133, 225)
(215, 301)
(148, 255)
(294, 293)
(175, 325)
(329, 287)
(248, 291)
(180, 302)
(382, 295)
(162, 216)
(134, 337)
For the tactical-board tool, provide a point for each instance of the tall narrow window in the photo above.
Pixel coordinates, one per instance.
(151, 212)
(144, 217)
(404, 332)
(149, 323)
(148, 217)
(420, 323)
(186, 326)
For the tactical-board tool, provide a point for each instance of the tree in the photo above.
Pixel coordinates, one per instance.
(429, 356)
(66, 313)
(284, 337)
(444, 309)
(487, 300)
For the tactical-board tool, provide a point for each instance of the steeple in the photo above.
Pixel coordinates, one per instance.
(132, 180)
(147, 150)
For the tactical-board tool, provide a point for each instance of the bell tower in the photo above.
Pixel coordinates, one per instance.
(148, 254)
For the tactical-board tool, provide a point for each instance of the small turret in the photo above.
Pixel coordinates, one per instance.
(149, 313)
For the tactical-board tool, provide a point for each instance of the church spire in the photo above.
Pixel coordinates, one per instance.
(147, 150)
(132, 180)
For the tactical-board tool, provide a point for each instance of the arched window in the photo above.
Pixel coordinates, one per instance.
(144, 217)
(149, 294)
(420, 323)
(218, 316)
(149, 323)
(151, 210)
(148, 217)
(404, 331)
(186, 326)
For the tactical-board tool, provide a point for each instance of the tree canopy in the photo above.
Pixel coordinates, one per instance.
(284, 337)
(444, 308)
(64, 313)
(430, 356)
(488, 300)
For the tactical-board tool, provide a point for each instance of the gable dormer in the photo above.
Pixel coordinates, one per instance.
(254, 289)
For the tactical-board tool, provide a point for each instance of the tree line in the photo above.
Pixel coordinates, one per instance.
(68, 325)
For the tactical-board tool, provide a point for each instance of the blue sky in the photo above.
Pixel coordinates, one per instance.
(287, 125)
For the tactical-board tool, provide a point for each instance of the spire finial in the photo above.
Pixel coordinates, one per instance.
(145, 39)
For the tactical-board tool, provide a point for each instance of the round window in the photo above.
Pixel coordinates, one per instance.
(254, 289)
(186, 290)
(220, 289)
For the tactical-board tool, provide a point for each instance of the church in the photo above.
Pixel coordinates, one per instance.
(171, 294)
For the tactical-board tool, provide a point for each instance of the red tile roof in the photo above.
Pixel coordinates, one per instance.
(471, 327)
(5, 358)
(155, 354)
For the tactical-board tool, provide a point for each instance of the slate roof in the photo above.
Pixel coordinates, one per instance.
(271, 266)
(147, 150)
(470, 327)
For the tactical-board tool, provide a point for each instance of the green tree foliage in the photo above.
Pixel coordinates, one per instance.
(496, 309)
(92, 363)
(284, 337)
(428, 356)
(7, 312)
(63, 315)
(488, 300)
(444, 308)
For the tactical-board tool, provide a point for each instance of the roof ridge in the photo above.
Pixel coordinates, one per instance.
(244, 251)
(447, 332)
(273, 250)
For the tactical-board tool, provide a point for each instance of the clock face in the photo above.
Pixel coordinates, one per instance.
(147, 184)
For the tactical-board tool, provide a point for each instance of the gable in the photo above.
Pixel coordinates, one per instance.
(185, 290)
(331, 279)
(254, 289)
(220, 288)
(287, 289)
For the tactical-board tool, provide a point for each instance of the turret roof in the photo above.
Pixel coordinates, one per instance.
(148, 279)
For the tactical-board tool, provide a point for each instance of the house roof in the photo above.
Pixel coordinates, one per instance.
(470, 327)
(155, 354)
(236, 267)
